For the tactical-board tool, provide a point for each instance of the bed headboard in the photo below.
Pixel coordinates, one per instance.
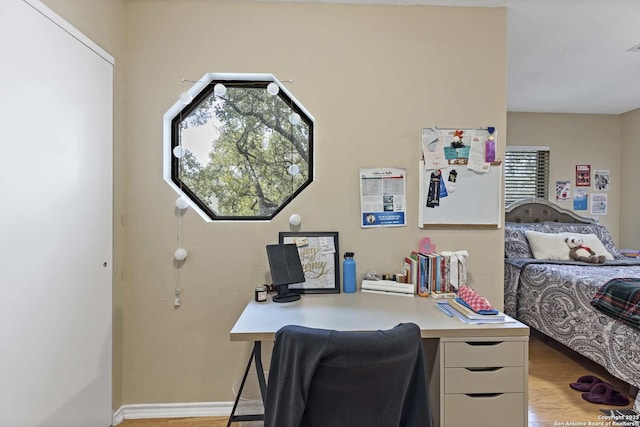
(541, 210)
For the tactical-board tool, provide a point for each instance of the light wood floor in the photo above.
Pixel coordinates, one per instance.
(551, 400)
(551, 368)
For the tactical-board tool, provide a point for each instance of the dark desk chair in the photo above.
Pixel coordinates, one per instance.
(325, 378)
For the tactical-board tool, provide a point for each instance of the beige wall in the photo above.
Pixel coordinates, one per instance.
(372, 76)
(630, 202)
(576, 139)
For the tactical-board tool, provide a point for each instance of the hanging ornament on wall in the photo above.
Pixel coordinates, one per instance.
(180, 254)
(179, 151)
(294, 118)
(293, 170)
(186, 98)
(273, 88)
(219, 89)
(182, 203)
(295, 220)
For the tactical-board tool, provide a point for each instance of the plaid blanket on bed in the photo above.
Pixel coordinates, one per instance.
(620, 299)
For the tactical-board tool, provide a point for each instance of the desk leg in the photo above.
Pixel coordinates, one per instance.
(256, 355)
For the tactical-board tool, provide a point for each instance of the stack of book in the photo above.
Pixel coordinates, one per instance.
(388, 287)
(430, 274)
(463, 312)
(630, 253)
(443, 295)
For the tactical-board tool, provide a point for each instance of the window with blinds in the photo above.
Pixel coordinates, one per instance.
(526, 173)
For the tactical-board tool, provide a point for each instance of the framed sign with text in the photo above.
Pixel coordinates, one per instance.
(319, 255)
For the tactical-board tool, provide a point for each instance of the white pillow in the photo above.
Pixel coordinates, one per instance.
(553, 246)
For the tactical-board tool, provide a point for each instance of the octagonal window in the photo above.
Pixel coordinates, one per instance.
(238, 146)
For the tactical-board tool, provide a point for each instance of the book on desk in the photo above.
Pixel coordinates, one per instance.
(470, 314)
(466, 315)
(388, 287)
(432, 273)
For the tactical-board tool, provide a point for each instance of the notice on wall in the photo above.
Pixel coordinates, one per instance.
(383, 197)
(598, 204)
(583, 175)
(563, 190)
(580, 199)
(601, 180)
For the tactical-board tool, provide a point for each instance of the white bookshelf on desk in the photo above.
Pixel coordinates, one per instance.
(477, 373)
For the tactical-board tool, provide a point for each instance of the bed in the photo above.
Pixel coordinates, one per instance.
(554, 296)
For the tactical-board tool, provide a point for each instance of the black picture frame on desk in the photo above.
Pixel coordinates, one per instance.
(320, 258)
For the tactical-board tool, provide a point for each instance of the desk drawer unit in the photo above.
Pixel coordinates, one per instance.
(495, 410)
(484, 380)
(484, 383)
(468, 354)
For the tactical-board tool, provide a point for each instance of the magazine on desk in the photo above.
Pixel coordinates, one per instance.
(445, 306)
(470, 314)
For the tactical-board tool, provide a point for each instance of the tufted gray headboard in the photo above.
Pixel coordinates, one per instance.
(541, 210)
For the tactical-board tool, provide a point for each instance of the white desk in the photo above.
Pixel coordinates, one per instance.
(481, 369)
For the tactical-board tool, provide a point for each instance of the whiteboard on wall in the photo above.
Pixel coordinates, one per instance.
(476, 200)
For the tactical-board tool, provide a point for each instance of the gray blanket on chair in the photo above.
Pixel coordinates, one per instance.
(326, 378)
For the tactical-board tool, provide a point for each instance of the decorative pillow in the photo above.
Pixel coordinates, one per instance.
(599, 230)
(553, 247)
(516, 244)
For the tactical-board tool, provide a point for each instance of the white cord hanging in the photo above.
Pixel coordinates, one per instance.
(182, 203)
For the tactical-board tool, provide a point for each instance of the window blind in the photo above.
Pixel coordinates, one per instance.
(526, 173)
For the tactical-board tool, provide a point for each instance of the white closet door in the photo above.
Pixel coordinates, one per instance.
(56, 101)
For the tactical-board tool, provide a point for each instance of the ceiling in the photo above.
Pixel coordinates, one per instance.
(565, 56)
(571, 56)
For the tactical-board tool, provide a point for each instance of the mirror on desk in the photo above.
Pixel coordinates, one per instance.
(286, 269)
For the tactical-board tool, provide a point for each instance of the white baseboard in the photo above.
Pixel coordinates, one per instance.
(172, 410)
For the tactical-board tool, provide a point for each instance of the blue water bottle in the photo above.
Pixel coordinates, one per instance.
(349, 273)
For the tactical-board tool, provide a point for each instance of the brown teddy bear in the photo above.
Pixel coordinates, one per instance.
(579, 252)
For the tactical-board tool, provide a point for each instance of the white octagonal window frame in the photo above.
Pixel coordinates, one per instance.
(169, 142)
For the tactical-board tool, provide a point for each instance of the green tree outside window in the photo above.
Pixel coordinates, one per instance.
(245, 148)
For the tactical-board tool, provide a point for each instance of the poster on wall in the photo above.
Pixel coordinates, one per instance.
(580, 199)
(601, 180)
(319, 256)
(382, 197)
(583, 176)
(598, 204)
(563, 191)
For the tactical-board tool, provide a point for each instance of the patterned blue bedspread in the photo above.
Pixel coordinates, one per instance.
(555, 298)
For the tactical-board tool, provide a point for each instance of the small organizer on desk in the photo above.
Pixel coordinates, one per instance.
(485, 382)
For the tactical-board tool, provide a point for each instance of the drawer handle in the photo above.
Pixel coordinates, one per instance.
(484, 395)
(484, 343)
(488, 369)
